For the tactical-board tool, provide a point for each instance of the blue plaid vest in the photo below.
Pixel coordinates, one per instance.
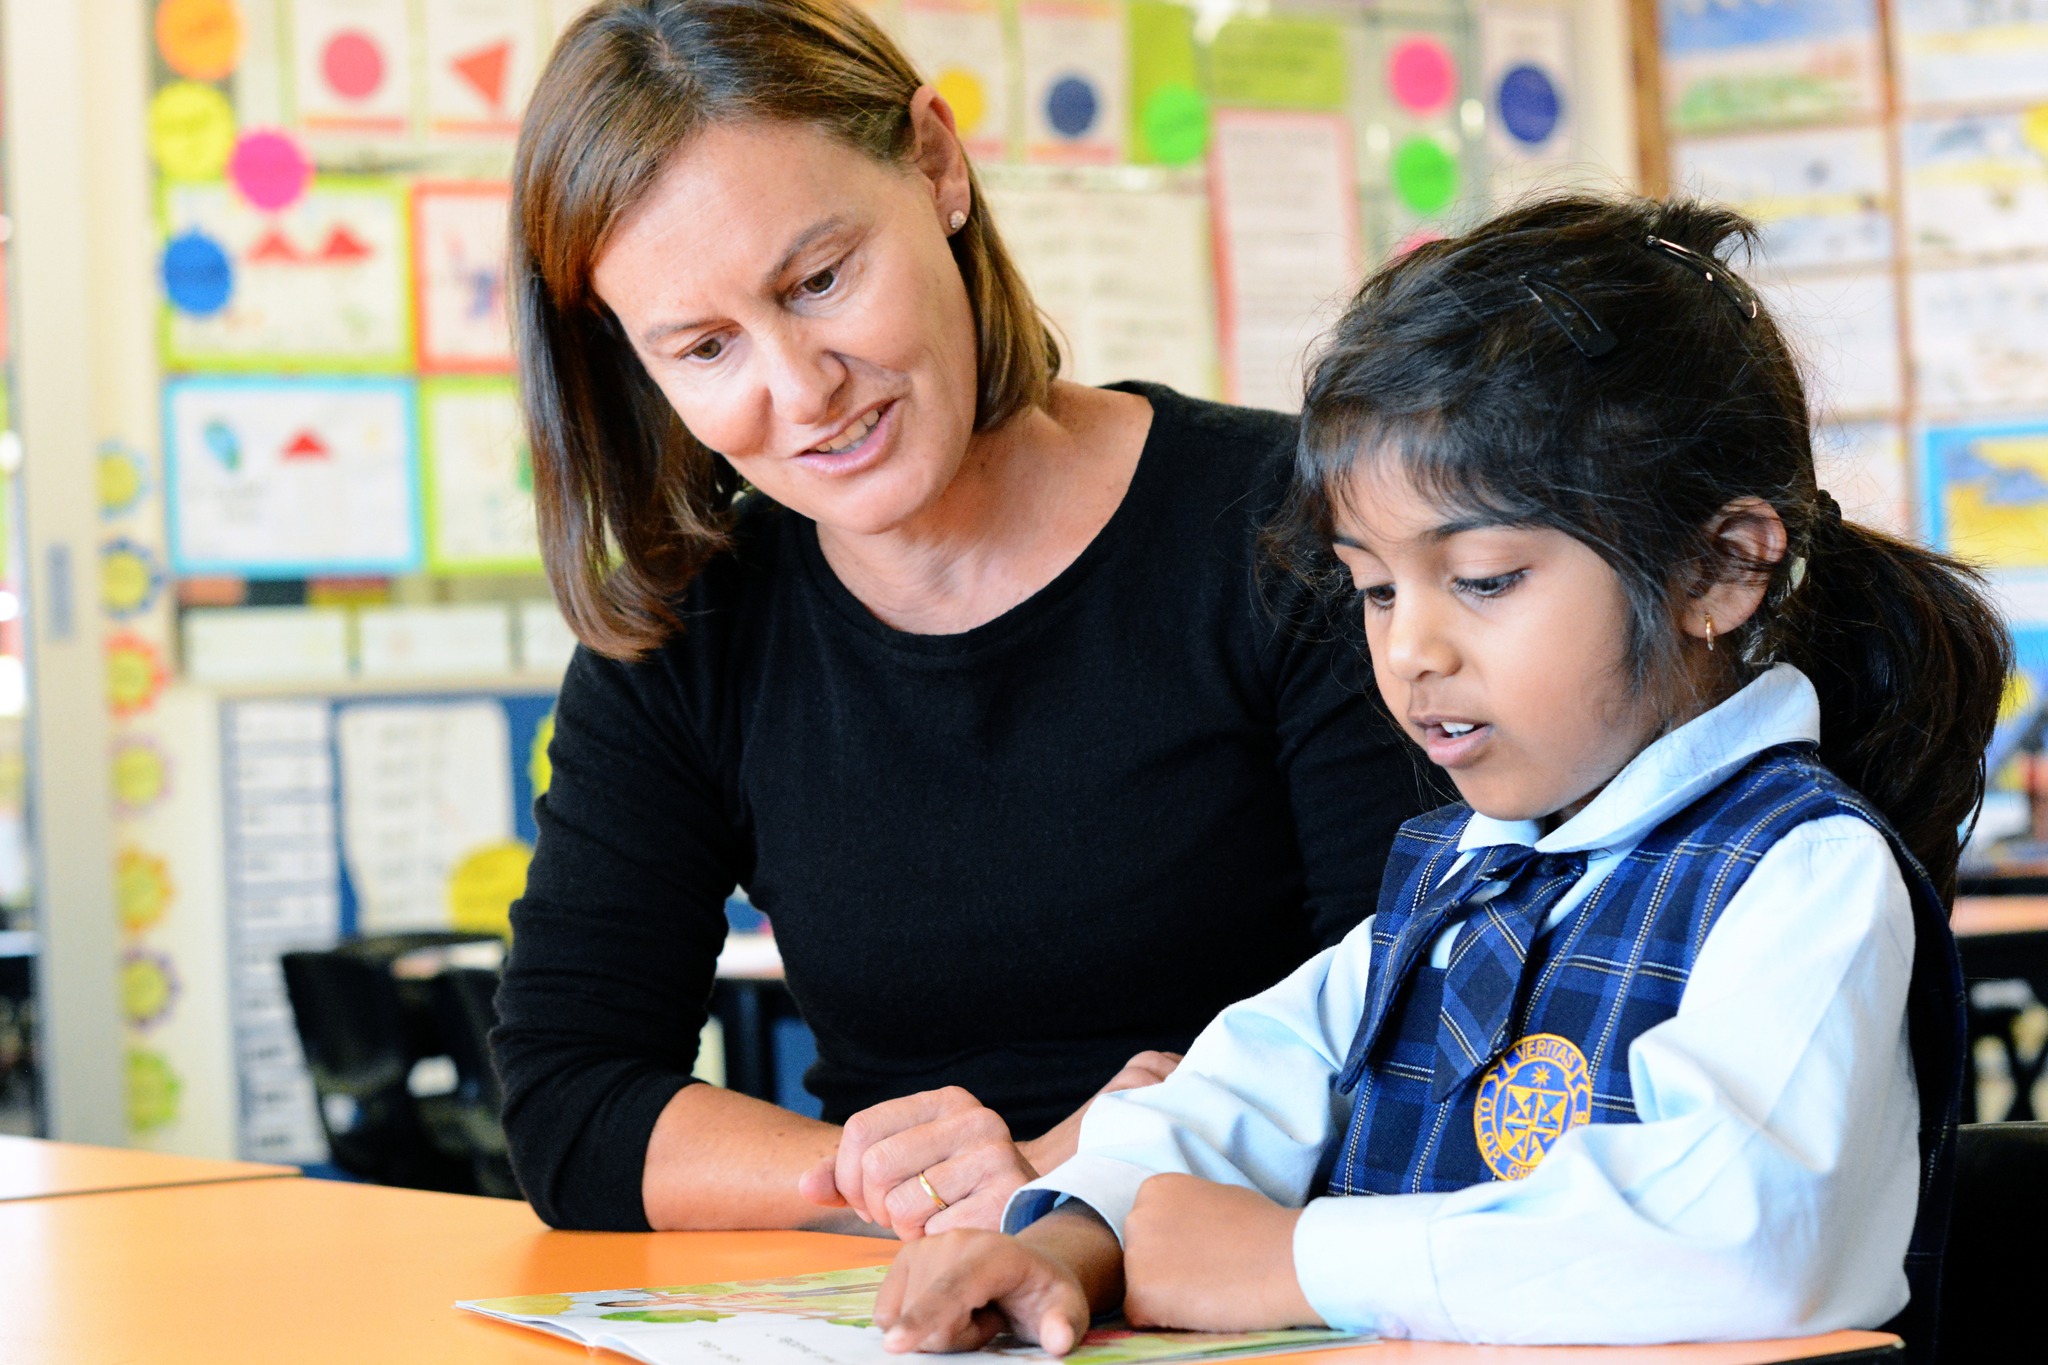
(1616, 966)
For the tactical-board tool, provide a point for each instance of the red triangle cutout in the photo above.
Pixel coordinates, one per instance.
(306, 446)
(485, 70)
(343, 245)
(274, 246)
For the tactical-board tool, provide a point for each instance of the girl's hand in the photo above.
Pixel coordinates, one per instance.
(961, 1147)
(1211, 1258)
(957, 1290)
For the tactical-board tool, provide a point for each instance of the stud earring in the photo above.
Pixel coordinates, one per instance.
(957, 221)
(1710, 632)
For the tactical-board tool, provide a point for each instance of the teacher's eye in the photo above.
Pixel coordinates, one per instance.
(1492, 586)
(818, 285)
(710, 348)
(1378, 596)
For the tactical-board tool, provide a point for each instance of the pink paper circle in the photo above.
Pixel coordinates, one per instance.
(352, 64)
(1422, 74)
(269, 169)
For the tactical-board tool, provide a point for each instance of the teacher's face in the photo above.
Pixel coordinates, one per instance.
(797, 302)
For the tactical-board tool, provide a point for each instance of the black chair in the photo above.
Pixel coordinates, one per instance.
(1997, 1257)
(463, 1004)
(362, 1034)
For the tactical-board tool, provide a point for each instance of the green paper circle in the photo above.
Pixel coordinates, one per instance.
(1425, 175)
(1176, 124)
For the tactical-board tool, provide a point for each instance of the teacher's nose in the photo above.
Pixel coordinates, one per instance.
(803, 378)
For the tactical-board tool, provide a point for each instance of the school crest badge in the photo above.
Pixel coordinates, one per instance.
(1538, 1091)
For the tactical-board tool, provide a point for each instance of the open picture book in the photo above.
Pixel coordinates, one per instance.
(826, 1319)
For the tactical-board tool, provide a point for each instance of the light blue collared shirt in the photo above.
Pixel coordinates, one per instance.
(1769, 1189)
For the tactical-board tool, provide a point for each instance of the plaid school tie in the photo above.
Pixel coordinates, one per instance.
(1484, 976)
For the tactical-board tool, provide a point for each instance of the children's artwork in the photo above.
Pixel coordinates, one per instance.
(459, 276)
(959, 46)
(1282, 62)
(478, 478)
(1985, 491)
(284, 478)
(827, 1319)
(481, 56)
(1845, 331)
(1124, 271)
(351, 66)
(1823, 197)
(320, 285)
(1759, 63)
(1976, 183)
(1971, 51)
(1285, 206)
(1864, 465)
(1076, 74)
(1980, 335)
(1525, 58)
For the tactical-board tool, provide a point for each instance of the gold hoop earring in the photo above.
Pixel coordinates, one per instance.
(1710, 632)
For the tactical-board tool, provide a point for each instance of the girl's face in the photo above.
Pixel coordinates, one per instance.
(1500, 649)
(798, 304)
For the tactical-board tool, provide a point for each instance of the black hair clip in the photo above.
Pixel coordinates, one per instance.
(1573, 318)
(1710, 270)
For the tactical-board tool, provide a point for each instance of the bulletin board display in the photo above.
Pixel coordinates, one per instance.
(367, 814)
(1896, 154)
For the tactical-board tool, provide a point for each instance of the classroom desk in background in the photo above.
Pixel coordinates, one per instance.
(33, 1169)
(314, 1271)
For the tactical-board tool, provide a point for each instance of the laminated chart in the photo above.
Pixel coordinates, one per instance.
(959, 46)
(1976, 183)
(481, 57)
(478, 478)
(350, 68)
(459, 276)
(285, 478)
(320, 285)
(1075, 66)
(1822, 197)
(1971, 51)
(1525, 59)
(1756, 63)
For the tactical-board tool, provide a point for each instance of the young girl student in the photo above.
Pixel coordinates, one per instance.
(1656, 1036)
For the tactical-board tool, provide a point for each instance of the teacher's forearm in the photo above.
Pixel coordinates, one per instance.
(719, 1159)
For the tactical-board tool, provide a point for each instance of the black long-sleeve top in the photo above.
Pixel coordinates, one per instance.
(1005, 859)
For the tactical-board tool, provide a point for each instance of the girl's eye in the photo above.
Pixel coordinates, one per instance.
(820, 283)
(1490, 587)
(710, 348)
(1379, 596)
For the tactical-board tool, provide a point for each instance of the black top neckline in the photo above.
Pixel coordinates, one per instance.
(1033, 609)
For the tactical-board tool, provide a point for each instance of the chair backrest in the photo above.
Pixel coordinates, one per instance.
(1997, 1257)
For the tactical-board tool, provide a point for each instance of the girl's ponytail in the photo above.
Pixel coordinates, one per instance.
(1910, 659)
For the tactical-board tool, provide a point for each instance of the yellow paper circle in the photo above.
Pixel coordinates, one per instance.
(484, 885)
(126, 582)
(145, 990)
(199, 38)
(120, 481)
(140, 776)
(135, 674)
(964, 91)
(142, 889)
(191, 131)
(153, 1090)
(2034, 127)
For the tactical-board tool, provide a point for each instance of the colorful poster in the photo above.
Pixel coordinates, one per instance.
(1976, 183)
(286, 478)
(1971, 51)
(960, 47)
(1845, 331)
(1980, 335)
(320, 285)
(1285, 206)
(481, 57)
(1864, 465)
(459, 276)
(1258, 62)
(478, 478)
(1761, 63)
(1986, 492)
(1822, 196)
(826, 1318)
(1525, 59)
(351, 66)
(1125, 272)
(1076, 73)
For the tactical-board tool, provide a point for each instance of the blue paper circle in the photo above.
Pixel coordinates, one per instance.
(1529, 105)
(197, 275)
(1071, 106)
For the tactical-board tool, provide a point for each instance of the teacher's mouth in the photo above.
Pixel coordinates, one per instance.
(857, 445)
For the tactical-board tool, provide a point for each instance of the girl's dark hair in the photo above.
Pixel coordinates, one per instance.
(630, 505)
(1564, 366)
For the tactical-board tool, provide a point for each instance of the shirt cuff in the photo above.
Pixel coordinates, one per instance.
(1364, 1264)
(1105, 1185)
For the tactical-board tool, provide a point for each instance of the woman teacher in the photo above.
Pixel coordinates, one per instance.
(978, 689)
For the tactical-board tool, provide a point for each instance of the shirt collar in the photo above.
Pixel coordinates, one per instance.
(1779, 707)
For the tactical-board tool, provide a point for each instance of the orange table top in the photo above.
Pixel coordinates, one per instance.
(31, 1169)
(311, 1271)
(1978, 915)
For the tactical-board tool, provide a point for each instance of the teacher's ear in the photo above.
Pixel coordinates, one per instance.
(938, 156)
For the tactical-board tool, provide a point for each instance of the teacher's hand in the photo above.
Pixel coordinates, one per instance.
(961, 1148)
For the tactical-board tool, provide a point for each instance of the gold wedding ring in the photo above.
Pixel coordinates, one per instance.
(926, 1186)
